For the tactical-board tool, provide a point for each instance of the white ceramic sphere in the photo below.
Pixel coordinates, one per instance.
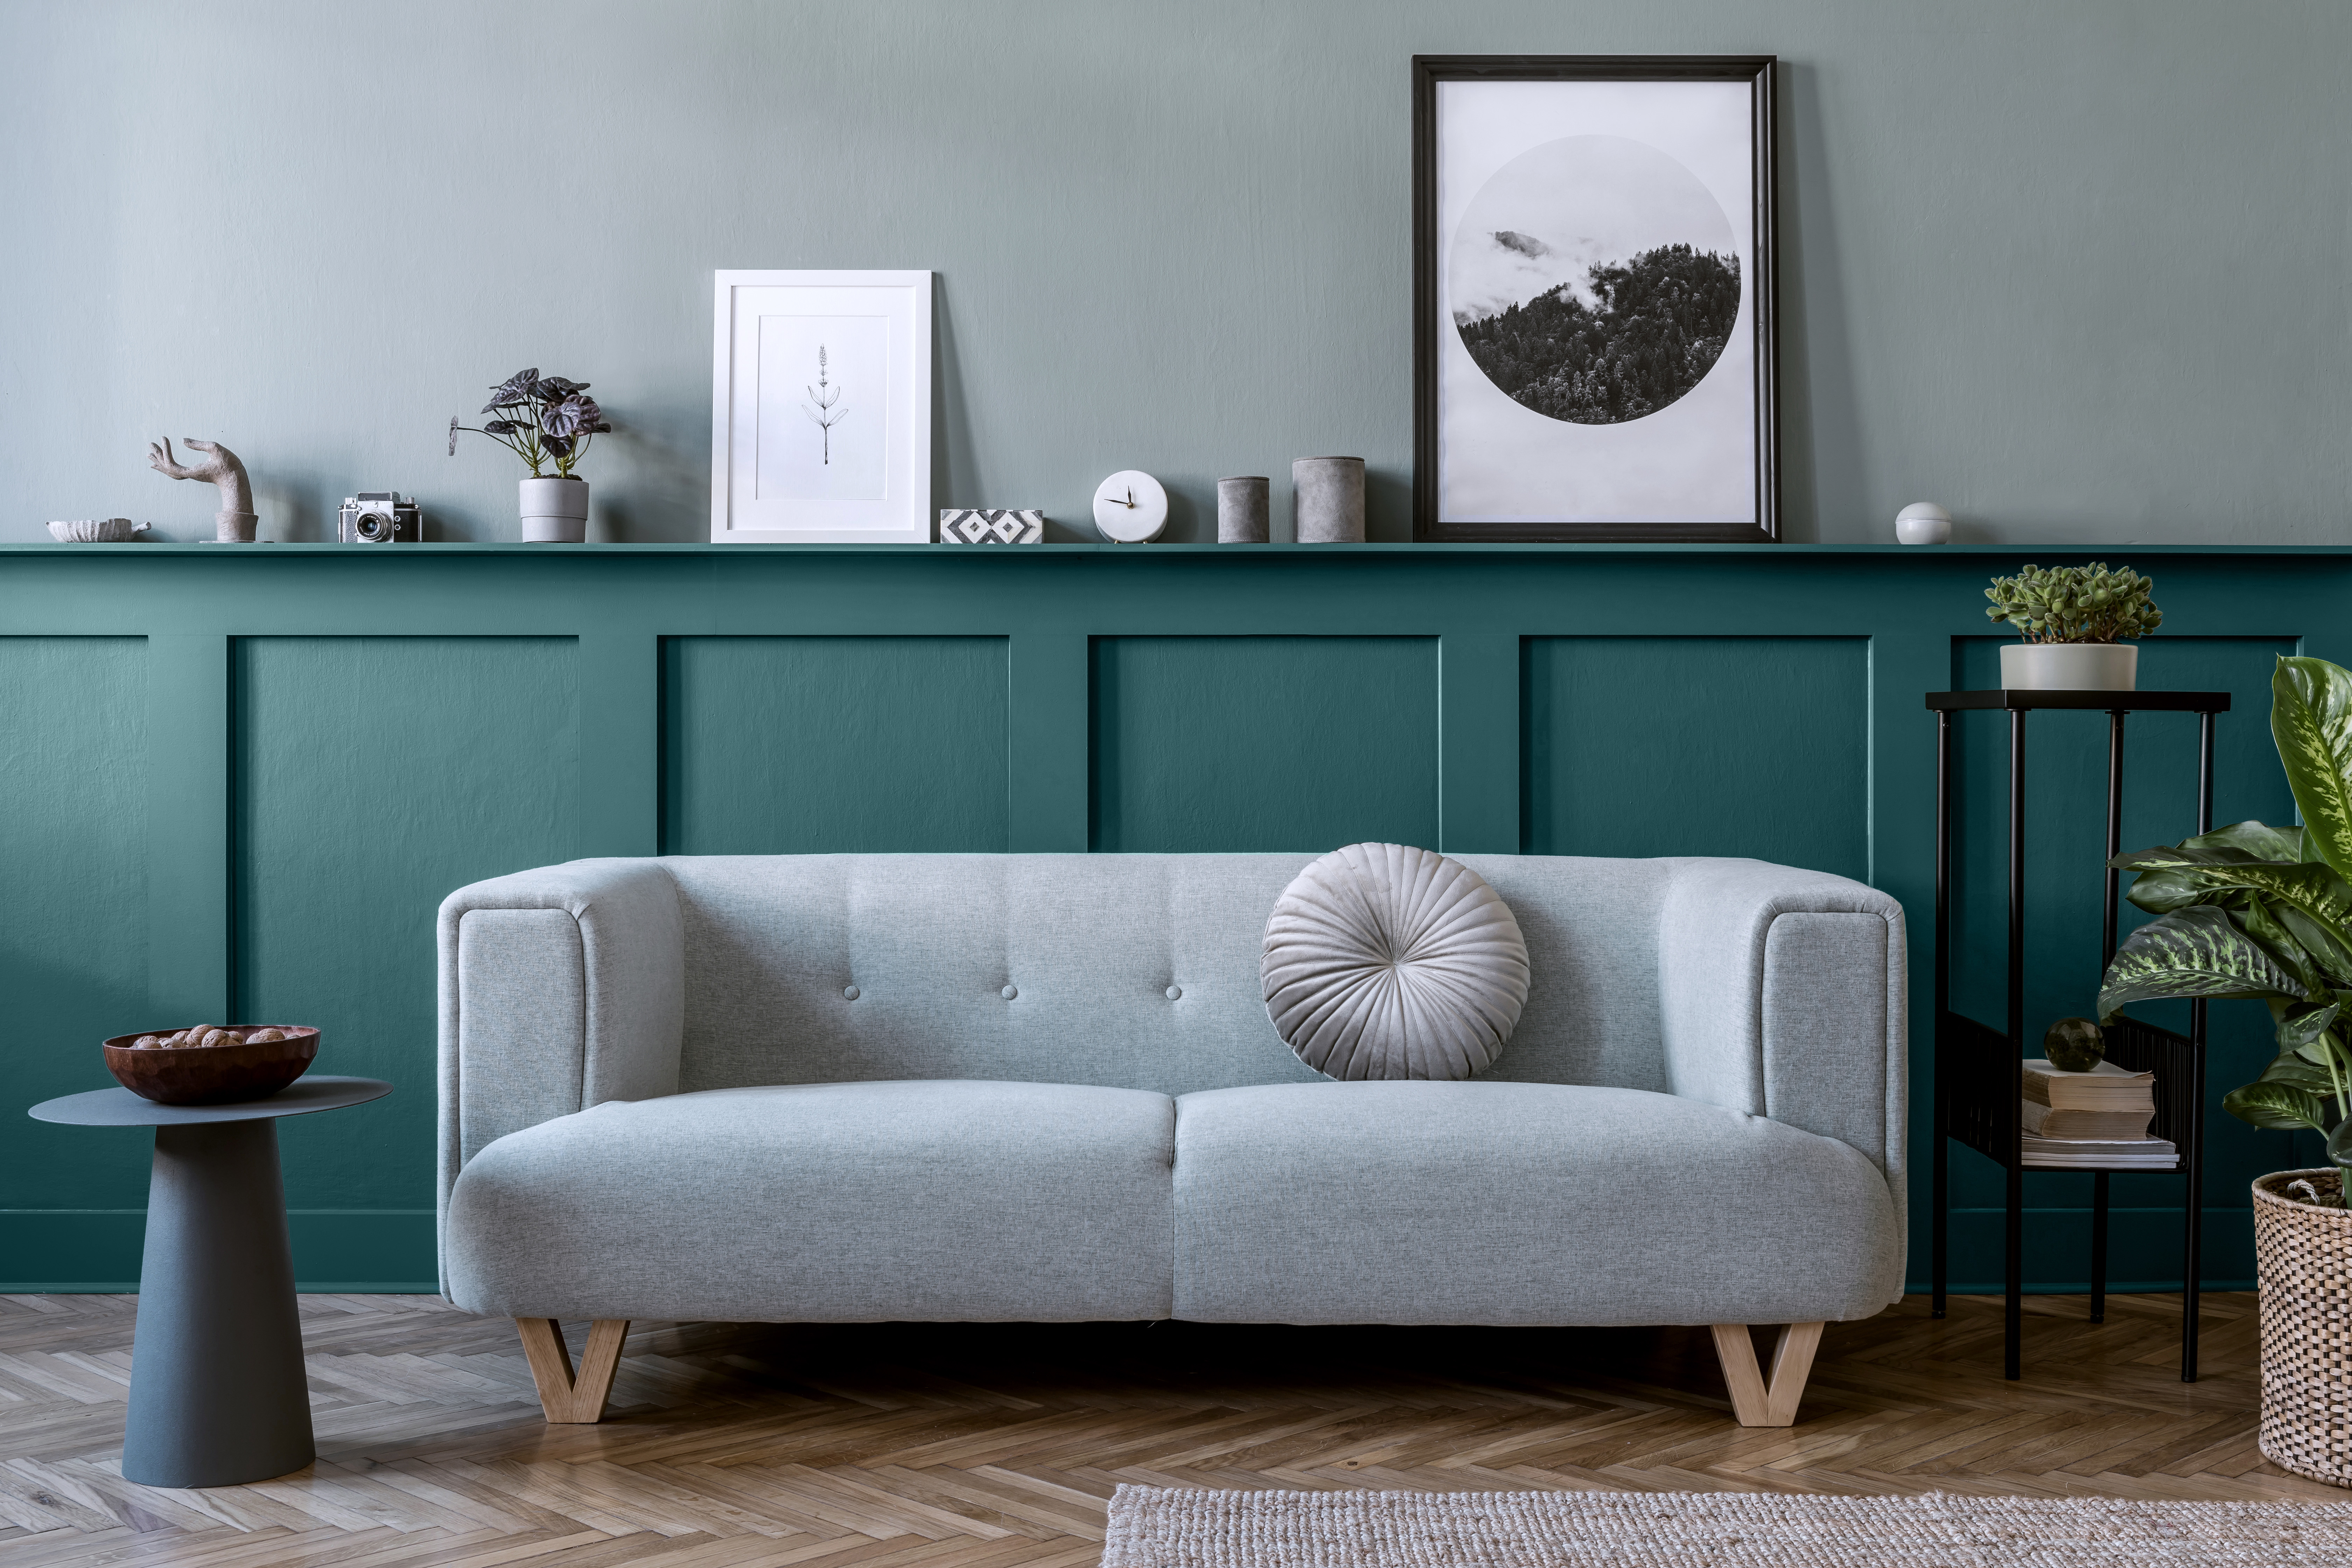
(1923, 523)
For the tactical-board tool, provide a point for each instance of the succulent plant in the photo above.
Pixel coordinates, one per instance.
(541, 420)
(2075, 603)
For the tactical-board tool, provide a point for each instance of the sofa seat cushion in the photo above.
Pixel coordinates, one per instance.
(939, 1200)
(1417, 1202)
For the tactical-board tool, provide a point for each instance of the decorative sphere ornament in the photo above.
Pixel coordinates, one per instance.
(2075, 1044)
(1923, 523)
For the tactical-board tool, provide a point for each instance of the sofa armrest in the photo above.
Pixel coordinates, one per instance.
(1781, 995)
(561, 988)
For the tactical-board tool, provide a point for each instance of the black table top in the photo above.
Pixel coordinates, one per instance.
(121, 1107)
(2099, 701)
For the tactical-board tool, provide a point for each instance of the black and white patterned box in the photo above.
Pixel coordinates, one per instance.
(971, 526)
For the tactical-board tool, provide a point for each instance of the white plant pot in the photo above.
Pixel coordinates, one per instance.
(2070, 666)
(555, 511)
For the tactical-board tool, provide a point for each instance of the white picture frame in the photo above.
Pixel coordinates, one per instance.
(806, 448)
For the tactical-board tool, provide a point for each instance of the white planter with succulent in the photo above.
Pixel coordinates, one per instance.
(547, 421)
(2076, 622)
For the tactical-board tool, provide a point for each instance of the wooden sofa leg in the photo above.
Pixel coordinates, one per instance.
(567, 1399)
(1753, 1401)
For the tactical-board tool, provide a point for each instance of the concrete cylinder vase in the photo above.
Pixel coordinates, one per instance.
(554, 510)
(235, 527)
(2069, 666)
(1243, 505)
(1327, 500)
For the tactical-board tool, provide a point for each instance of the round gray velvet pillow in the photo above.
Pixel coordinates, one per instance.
(1385, 962)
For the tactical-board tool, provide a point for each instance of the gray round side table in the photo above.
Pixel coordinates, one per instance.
(218, 1393)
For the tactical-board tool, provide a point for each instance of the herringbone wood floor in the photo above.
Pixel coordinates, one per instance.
(985, 1446)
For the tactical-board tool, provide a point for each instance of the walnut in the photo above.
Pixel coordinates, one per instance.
(260, 1035)
(146, 1042)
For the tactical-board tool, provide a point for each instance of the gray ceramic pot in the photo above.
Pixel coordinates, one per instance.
(1328, 499)
(1243, 505)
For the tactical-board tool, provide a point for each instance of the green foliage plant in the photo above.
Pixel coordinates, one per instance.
(2075, 603)
(2262, 914)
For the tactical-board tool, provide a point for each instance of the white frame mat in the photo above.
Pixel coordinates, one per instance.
(873, 482)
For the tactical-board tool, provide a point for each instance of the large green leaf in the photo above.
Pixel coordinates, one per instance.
(2327, 945)
(2195, 952)
(2160, 886)
(2268, 1104)
(2293, 1071)
(2261, 924)
(2301, 1034)
(2314, 889)
(2311, 720)
(2164, 857)
(2259, 840)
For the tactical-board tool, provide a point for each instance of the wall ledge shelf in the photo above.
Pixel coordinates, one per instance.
(1382, 548)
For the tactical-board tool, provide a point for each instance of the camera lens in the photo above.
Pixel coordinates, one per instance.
(373, 527)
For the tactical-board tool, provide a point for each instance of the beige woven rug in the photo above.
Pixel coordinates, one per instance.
(1158, 1527)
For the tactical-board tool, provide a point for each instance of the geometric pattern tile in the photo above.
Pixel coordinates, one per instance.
(989, 1446)
(968, 526)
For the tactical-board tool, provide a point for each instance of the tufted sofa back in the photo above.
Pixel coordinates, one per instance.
(1127, 971)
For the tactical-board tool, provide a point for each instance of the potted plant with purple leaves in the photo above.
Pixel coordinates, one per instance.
(548, 422)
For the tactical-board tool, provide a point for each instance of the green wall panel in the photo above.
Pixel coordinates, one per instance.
(74, 775)
(1756, 746)
(802, 745)
(1243, 742)
(374, 775)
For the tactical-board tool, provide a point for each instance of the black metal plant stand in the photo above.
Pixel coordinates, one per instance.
(1980, 1071)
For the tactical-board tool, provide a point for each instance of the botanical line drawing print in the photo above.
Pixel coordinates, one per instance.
(821, 406)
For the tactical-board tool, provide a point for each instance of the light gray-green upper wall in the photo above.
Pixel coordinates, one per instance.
(2076, 269)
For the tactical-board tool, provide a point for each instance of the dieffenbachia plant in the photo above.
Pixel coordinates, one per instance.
(2265, 913)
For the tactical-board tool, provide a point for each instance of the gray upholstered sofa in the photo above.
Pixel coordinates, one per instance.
(859, 1088)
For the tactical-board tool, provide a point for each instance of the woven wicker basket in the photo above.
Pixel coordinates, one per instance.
(2304, 1256)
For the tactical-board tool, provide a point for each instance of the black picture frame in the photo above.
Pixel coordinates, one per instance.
(1758, 72)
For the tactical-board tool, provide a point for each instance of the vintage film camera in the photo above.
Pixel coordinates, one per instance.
(382, 517)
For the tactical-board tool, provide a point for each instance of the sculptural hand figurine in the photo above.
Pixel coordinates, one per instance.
(233, 523)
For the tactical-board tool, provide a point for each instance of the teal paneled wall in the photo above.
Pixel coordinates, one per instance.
(373, 775)
(801, 745)
(1755, 746)
(1263, 743)
(242, 781)
(75, 777)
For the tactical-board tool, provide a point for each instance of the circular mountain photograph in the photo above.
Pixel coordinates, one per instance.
(1594, 280)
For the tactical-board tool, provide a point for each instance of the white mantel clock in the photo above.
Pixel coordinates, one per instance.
(1130, 507)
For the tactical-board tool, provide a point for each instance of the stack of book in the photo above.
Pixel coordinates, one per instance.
(2096, 1118)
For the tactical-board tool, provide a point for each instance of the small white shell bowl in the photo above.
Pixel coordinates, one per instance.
(97, 530)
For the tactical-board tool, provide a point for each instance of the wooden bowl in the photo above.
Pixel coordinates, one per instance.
(212, 1074)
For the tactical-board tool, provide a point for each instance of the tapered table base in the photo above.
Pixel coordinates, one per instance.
(217, 1391)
